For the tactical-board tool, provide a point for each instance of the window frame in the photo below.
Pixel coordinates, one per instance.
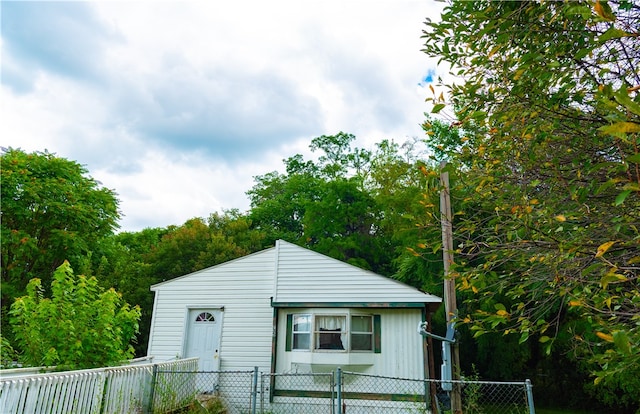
(354, 332)
(299, 332)
(342, 334)
(345, 335)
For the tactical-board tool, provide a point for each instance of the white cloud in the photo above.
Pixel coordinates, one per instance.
(169, 190)
(177, 105)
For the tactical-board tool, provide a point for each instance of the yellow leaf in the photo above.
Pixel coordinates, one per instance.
(603, 10)
(575, 303)
(604, 336)
(544, 339)
(622, 127)
(413, 252)
(612, 277)
(598, 8)
(602, 249)
(432, 90)
(502, 312)
(518, 74)
(561, 218)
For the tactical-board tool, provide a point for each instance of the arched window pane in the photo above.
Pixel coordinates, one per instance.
(205, 317)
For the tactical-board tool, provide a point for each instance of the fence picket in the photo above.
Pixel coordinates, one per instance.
(32, 395)
(68, 383)
(112, 390)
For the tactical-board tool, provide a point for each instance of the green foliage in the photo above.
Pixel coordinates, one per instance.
(8, 355)
(199, 244)
(547, 175)
(121, 262)
(352, 204)
(80, 326)
(278, 203)
(51, 212)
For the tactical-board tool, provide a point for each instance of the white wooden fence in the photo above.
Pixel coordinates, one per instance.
(116, 390)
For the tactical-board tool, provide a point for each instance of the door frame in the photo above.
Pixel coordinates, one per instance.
(186, 324)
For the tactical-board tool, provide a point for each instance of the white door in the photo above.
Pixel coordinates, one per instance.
(203, 338)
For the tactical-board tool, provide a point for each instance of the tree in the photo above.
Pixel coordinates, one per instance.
(352, 204)
(342, 224)
(52, 211)
(231, 237)
(549, 176)
(124, 261)
(80, 326)
(278, 202)
(199, 244)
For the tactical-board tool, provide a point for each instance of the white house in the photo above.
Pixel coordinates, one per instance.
(287, 309)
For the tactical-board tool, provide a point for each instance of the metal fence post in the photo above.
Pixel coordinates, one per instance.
(529, 387)
(339, 390)
(254, 390)
(332, 388)
(262, 392)
(152, 392)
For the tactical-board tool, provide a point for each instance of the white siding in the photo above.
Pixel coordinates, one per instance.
(243, 287)
(306, 276)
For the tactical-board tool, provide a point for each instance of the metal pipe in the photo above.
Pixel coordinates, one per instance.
(254, 390)
(529, 387)
(339, 389)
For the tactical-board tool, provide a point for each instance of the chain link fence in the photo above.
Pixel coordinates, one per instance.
(361, 393)
(296, 393)
(339, 392)
(219, 392)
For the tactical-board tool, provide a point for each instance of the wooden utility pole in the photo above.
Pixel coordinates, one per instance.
(451, 307)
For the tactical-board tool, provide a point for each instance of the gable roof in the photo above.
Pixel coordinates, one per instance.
(309, 278)
(304, 278)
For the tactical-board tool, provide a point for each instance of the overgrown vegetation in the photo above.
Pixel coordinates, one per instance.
(547, 166)
(541, 140)
(80, 326)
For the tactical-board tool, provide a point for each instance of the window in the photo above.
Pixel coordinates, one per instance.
(301, 331)
(329, 332)
(205, 317)
(361, 333)
(337, 332)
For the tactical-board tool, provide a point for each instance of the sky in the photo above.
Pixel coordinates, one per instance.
(178, 105)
